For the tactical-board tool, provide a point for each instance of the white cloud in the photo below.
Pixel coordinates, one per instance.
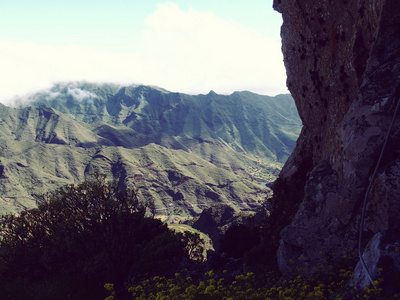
(51, 95)
(185, 51)
(29, 67)
(212, 53)
(79, 94)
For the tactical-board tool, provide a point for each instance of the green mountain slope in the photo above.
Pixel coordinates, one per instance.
(184, 152)
(256, 124)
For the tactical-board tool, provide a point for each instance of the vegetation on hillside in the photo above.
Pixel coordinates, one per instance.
(257, 277)
(82, 236)
(97, 240)
(247, 122)
(325, 285)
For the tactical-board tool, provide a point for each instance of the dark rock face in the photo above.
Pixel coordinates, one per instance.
(343, 68)
(212, 220)
(383, 260)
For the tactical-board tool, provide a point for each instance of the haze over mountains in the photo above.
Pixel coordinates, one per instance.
(185, 152)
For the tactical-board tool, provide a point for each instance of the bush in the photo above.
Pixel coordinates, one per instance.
(329, 284)
(80, 237)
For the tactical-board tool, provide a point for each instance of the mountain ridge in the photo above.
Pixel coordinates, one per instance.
(152, 112)
(172, 146)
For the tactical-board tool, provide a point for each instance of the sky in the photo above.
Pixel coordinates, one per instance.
(180, 45)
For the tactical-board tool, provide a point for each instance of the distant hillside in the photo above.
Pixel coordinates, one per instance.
(261, 125)
(185, 152)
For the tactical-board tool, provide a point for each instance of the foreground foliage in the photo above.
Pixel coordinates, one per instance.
(329, 284)
(80, 237)
(94, 241)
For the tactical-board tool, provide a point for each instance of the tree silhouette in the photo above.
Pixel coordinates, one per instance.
(80, 237)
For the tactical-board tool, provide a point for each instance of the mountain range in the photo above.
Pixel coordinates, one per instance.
(185, 152)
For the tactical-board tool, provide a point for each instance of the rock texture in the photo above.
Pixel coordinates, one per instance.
(214, 221)
(343, 70)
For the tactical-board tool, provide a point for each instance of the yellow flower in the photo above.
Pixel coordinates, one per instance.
(109, 287)
(318, 294)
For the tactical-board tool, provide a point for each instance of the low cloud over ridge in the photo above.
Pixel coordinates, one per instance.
(186, 51)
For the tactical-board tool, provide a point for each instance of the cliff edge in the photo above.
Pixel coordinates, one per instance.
(342, 60)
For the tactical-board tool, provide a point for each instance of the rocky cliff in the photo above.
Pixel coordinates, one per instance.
(343, 69)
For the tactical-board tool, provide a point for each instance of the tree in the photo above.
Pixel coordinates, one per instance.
(80, 237)
(194, 246)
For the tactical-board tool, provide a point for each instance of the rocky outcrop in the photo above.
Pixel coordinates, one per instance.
(214, 220)
(343, 70)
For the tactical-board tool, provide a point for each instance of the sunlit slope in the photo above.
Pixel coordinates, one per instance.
(184, 152)
(264, 126)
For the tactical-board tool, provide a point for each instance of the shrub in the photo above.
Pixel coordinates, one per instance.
(80, 237)
(249, 286)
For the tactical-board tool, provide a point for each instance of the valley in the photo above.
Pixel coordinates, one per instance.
(183, 152)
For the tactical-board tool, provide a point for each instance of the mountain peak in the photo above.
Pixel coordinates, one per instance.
(185, 151)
